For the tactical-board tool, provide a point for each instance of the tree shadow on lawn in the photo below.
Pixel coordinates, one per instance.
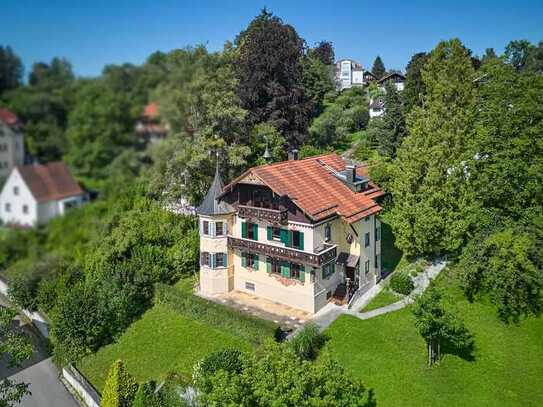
(465, 351)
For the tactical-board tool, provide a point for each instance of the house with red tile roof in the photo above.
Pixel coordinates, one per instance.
(34, 194)
(149, 127)
(11, 142)
(298, 232)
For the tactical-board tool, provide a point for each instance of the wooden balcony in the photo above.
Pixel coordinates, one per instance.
(284, 253)
(278, 216)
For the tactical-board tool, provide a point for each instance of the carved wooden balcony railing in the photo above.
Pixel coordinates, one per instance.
(279, 216)
(284, 253)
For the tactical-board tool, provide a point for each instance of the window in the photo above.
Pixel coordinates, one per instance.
(15, 190)
(378, 233)
(249, 260)
(219, 228)
(249, 230)
(377, 261)
(327, 233)
(276, 233)
(25, 209)
(367, 219)
(205, 259)
(249, 286)
(205, 227)
(367, 266)
(220, 260)
(328, 270)
(298, 240)
(273, 265)
(295, 271)
(8, 207)
(367, 239)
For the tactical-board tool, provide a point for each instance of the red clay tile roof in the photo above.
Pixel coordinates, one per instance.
(311, 185)
(9, 118)
(151, 110)
(51, 181)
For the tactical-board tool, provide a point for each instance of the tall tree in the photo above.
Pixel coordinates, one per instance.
(99, 128)
(270, 76)
(56, 73)
(431, 210)
(414, 85)
(324, 52)
(517, 53)
(11, 69)
(489, 55)
(378, 68)
(119, 388)
(394, 122)
(507, 266)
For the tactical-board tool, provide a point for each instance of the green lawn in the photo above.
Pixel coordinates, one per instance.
(389, 356)
(162, 341)
(385, 297)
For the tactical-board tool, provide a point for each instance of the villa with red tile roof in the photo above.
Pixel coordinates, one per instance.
(299, 233)
(149, 127)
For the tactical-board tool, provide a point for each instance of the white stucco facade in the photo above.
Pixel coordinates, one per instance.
(18, 206)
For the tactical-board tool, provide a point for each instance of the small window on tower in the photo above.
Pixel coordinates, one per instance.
(219, 229)
(205, 227)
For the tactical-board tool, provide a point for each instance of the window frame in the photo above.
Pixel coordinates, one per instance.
(327, 233)
(328, 270)
(221, 227)
(25, 209)
(367, 239)
(206, 227)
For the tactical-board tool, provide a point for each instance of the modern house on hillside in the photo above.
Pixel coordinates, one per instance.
(12, 151)
(34, 194)
(299, 232)
(350, 73)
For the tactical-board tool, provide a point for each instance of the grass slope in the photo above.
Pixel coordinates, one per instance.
(385, 297)
(388, 354)
(162, 341)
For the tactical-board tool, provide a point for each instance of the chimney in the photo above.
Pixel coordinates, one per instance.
(350, 173)
(293, 154)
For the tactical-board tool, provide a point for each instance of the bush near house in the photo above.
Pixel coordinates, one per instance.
(401, 283)
(234, 322)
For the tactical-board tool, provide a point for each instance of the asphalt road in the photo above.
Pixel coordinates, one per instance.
(45, 386)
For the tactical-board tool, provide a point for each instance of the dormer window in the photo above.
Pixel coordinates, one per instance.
(15, 190)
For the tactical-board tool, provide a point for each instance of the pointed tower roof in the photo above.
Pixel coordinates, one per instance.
(211, 205)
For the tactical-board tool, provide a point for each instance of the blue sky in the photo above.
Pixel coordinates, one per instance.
(94, 33)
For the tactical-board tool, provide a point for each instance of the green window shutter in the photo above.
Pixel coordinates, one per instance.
(244, 259)
(212, 260)
(268, 265)
(225, 259)
(255, 262)
(244, 230)
(301, 240)
(285, 237)
(269, 231)
(255, 231)
(302, 274)
(285, 269)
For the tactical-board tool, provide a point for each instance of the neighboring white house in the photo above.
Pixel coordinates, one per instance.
(377, 107)
(394, 77)
(11, 142)
(350, 73)
(34, 194)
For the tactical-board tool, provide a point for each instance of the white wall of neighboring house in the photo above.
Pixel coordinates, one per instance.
(358, 77)
(376, 112)
(17, 205)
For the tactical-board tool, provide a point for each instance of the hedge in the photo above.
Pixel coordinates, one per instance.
(237, 323)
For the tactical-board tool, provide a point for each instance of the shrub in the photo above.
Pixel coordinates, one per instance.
(401, 283)
(235, 322)
(146, 396)
(307, 343)
(228, 360)
(120, 387)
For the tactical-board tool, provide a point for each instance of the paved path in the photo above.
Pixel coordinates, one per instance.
(45, 386)
(330, 312)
